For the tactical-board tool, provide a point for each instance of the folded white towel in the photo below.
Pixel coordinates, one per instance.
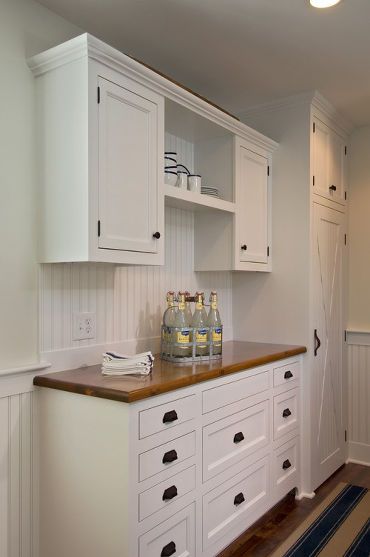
(120, 364)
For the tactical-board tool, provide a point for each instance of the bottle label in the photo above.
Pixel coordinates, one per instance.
(214, 304)
(181, 306)
(217, 335)
(199, 305)
(201, 335)
(183, 337)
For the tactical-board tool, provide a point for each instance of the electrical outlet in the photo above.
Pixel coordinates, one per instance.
(84, 325)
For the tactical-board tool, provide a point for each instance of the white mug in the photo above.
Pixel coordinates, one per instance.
(194, 182)
(182, 180)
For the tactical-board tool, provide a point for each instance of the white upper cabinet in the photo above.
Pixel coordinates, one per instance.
(252, 213)
(329, 162)
(128, 169)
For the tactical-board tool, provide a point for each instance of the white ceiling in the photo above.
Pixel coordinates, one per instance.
(242, 52)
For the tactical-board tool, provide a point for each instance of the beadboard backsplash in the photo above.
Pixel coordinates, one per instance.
(128, 301)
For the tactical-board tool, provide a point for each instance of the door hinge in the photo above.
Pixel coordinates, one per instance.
(314, 127)
(98, 95)
(313, 180)
(345, 239)
(268, 251)
(345, 436)
(345, 149)
(345, 196)
(345, 336)
(98, 228)
(268, 171)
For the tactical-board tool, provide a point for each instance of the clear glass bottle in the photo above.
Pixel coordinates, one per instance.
(182, 338)
(214, 321)
(169, 320)
(189, 313)
(199, 322)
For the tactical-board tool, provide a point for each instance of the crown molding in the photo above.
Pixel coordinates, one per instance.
(91, 48)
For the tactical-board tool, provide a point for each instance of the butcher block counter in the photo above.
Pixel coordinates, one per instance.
(166, 376)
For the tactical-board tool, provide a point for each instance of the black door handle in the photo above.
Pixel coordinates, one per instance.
(317, 342)
(244, 247)
(238, 437)
(168, 550)
(170, 416)
(287, 413)
(333, 188)
(286, 464)
(170, 456)
(157, 235)
(288, 374)
(169, 493)
(239, 499)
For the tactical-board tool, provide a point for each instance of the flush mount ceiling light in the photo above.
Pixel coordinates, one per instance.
(324, 3)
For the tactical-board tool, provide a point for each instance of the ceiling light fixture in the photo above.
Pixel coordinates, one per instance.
(323, 3)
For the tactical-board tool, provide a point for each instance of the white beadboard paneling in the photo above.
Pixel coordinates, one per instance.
(18, 496)
(128, 300)
(359, 400)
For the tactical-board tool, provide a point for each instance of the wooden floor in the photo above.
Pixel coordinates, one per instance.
(274, 527)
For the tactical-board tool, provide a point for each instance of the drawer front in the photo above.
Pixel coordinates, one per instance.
(234, 501)
(287, 374)
(175, 537)
(166, 416)
(232, 392)
(286, 462)
(227, 441)
(166, 456)
(286, 413)
(165, 493)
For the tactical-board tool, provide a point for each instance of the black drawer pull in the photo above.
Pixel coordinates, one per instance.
(239, 499)
(244, 247)
(287, 413)
(288, 374)
(286, 464)
(333, 188)
(170, 416)
(168, 550)
(170, 456)
(169, 493)
(238, 437)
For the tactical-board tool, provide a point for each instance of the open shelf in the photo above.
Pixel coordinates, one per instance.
(184, 199)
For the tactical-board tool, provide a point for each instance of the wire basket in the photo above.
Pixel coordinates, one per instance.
(179, 344)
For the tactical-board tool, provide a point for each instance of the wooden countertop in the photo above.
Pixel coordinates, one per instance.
(237, 356)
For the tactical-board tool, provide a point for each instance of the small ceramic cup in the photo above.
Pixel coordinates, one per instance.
(170, 178)
(194, 182)
(182, 180)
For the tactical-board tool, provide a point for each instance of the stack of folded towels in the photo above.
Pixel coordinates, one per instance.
(119, 364)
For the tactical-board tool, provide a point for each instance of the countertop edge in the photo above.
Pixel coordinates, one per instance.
(147, 392)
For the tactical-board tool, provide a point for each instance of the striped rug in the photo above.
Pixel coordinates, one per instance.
(338, 527)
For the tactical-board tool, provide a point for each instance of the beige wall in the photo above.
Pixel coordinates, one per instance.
(25, 29)
(359, 231)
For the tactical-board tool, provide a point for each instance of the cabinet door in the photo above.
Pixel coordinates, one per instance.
(329, 161)
(252, 206)
(128, 169)
(327, 419)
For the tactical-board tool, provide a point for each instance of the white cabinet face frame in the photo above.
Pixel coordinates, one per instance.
(329, 161)
(252, 240)
(126, 192)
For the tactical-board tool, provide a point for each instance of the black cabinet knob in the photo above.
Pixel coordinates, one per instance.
(169, 493)
(170, 416)
(238, 437)
(168, 550)
(288, 374)
(333, 188)
(157, 235)
(244, 247)
(239, 499)
(286, 413)
(286, 464)
(170, 456)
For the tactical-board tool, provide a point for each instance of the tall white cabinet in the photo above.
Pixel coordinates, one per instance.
(308, 285)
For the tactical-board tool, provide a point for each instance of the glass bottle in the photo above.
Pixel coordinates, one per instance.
(188, 311)
(169, 320)
(199, 322)
(214, 321)
(182, 338)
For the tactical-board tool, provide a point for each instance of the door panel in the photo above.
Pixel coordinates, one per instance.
(128, 169)
(327, 380)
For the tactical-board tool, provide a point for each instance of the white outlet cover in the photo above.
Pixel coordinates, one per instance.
(84, 325)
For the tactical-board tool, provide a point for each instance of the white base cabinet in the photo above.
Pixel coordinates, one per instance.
(120, 480)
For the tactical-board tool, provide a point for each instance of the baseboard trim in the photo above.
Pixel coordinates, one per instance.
(359, 453)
